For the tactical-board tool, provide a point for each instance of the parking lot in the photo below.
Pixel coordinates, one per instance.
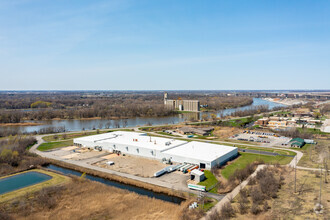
(137, 166)
(266, 138)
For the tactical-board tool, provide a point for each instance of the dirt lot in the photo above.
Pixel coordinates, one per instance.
(226, 132)
(175, 178)
(75, 153)
(133, 165)
(83, 199)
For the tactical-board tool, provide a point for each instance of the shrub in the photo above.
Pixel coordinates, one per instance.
(47, 196)
(242, 174)
(266, 206)
(243, 201)
(4, 216)
(255, 209)
(214, 215)
(256, 195)
(227, 211)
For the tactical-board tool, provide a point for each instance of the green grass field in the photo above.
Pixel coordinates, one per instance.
(210, 181)
(52, 145)
(164, 133)
(285, 152)
(313, 131)
(247, 158)
(209, 204)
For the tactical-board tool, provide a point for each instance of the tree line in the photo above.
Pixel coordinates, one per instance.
(77, 105)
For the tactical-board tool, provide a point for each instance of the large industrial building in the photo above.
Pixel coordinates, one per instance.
(202, 154)
(182, 105)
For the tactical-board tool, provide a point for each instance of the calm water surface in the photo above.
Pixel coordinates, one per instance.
(22, 180)
(78, 125)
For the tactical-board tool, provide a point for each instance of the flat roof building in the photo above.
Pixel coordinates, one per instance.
(205, 155)
(202, 154)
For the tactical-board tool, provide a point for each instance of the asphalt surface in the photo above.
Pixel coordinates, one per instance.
(263, 152)
(82, 163)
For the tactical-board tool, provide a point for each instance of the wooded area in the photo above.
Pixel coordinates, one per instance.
(19, 106)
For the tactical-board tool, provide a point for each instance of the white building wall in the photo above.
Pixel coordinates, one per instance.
(223, 159)
(123, 148)
(180, 159)
(155, 154)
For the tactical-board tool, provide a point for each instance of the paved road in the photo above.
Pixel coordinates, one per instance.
(154, 181)
(263, 152)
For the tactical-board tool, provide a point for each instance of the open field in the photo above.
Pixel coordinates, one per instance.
(84, 199)
(52, 145)
(56, 180)
(138, 166)
(315, 154)
(290, 205)
(226, 132)
(247, 158)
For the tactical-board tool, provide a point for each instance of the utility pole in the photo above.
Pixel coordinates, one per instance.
(295, 175)
(320, 186)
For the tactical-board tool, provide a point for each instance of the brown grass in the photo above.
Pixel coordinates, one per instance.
(226, 132)
(290, 205)
(21, 124)
(120, 179)
(84, 199)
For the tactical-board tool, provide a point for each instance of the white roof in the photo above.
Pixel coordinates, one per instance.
(135, 139)
(197, 172)
(96, 137)
(200, 150)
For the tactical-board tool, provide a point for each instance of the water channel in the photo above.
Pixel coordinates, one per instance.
(138, 190)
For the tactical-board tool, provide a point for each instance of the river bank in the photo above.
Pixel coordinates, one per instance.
(178, 196)
(286, 101)
(21, 124)
(93, 124)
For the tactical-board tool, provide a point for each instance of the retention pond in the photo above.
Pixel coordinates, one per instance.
(22, 180)
(138, 190)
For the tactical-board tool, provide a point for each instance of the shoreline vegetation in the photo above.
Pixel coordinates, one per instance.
(21, 107)
(112, 177)
(21, 124)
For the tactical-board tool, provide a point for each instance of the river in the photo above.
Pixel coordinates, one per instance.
(78, 125)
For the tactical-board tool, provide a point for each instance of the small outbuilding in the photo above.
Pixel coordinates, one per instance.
(297, 142)
(197, 175)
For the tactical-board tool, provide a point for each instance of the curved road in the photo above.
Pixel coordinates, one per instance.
(221, 198)
(154, 181)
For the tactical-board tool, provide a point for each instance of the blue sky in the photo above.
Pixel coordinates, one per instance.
(164, 45)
